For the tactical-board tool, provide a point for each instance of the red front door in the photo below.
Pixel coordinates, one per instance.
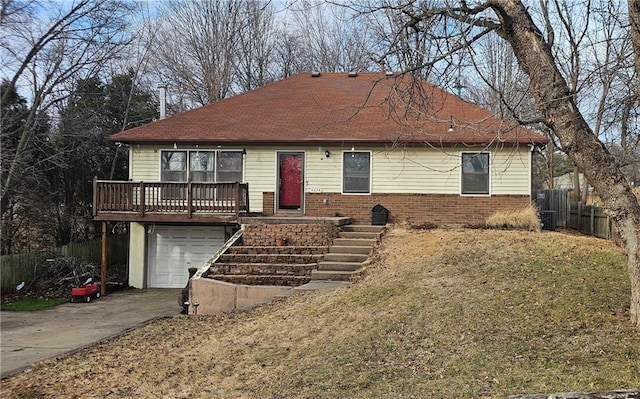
(290, 181)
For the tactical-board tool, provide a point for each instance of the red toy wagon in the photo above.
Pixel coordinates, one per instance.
(85, 293)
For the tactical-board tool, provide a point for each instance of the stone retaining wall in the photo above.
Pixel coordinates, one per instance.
(312, 234)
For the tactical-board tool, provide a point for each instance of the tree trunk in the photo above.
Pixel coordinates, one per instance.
(576, 193)
(634, 27)
(556, 103)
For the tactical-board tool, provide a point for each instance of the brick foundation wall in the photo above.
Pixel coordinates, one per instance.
(439, 209)
(312, 234)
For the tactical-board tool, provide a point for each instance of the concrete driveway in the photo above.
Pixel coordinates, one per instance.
(28, 337)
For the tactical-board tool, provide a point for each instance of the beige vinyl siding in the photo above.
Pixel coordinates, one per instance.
(416, 170)
(259, 172)
(407, 170)
(510, 171)
(145, 162)
(437, 171)
(323, 174)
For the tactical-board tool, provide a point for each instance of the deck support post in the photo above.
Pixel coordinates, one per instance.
(103, 263)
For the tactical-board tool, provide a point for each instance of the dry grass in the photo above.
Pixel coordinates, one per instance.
(522, 219)
(442, 314)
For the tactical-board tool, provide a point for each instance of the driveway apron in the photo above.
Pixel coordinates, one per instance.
(28, 337)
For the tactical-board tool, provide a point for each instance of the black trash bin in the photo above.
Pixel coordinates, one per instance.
(548, 219)
(379, 215)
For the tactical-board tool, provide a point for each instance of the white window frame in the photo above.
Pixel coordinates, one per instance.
(188, 161)
(346, 153)
(488, 193)
(186, 164)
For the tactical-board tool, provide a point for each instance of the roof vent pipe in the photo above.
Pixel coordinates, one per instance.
(315, 74)
(163, 101)
(353, 74)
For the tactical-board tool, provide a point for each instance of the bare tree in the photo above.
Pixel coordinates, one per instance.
(554, 98)
(199, 43)
(46, 45)
(634, 28)
(401, 46)
(288, 54)
(329, 38)
(254, 66)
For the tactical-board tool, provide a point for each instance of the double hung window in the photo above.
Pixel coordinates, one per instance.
(356, 172)
(173, 168)
(475, 173)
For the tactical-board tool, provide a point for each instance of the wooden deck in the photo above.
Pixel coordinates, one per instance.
(169, 201)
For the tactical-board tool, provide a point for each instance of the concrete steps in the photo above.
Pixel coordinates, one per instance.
(337, 275)
(343, 261)
(355, 242)
(359, 234)
(346, 257)
(351, 249)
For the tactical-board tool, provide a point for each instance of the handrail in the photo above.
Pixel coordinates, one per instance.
(170, 197)
(232, 240)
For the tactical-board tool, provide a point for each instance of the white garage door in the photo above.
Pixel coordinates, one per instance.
(173, 249)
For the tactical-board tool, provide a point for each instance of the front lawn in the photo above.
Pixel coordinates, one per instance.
(441, 314)
(30, 304)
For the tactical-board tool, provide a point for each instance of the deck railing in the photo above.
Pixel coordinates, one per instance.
(170, 197)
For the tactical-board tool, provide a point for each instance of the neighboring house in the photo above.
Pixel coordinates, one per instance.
(566, 181)
(330, 144)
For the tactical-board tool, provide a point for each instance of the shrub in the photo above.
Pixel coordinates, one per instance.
(521, 219)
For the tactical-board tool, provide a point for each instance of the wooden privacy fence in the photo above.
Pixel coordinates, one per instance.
(589, 219)
(20, 267)
(556, 200)
(91, 251)
(17, 268)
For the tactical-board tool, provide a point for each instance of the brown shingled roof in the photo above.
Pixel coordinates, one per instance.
(336, 108)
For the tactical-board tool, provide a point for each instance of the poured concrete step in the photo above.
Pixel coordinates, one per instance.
(336, 275)
(339, 266)
(359, 234)
(363, 228)
(345, 257)
(350, 249)
(356, 242)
